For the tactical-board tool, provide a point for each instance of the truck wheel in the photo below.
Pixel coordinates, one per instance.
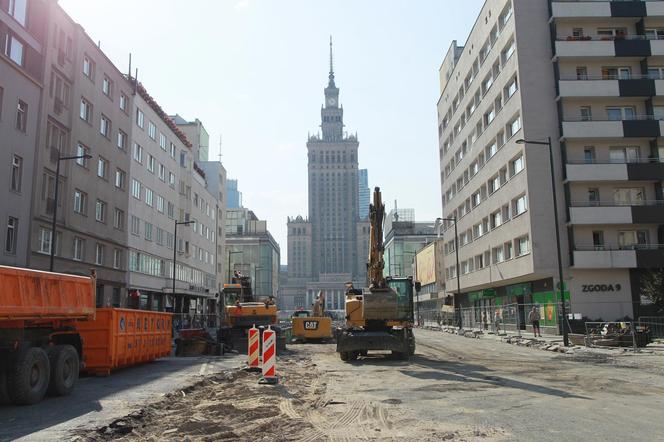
(64, 369)
(4, 396)
(27, 380)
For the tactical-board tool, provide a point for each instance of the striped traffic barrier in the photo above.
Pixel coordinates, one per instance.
(253, 348)
(269, 357)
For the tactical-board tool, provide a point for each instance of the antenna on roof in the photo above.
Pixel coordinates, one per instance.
(136, 82)
(129, 66)
(220, 154)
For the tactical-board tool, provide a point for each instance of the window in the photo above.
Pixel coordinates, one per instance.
(80, 202)
(511, 88)
(138, 153)
(171, 179)
(123, 102)
(86, 110)
(625, 154)
(516, 165)
(152, 130)
(162, 141)
(105, 127)
(102, 168)
(160, 237)
(508, 250)
(494, 183)
(135, 225)
(118, 219)
(150, 164)
(498, 255)
(45, 240)
(586, 113)
(16, 173)
(522, 246)
(88, 67)
(506, 53)
(598, 240)
(120, 178)
(22, 116)
(14, 49)
(171, 210)
(107, 86)
(172, 152)
(82, 152)
(18, 9)
(79, 249)
(162, 172)
(593, 196)
(629, 196)
(117, 260)
(183, 159)
(621, 113)
(100, 211)
(655, 33)
(149, 197)
(519, 205)
(491, 150)
(122, 140)
(489, 116)
(475, 198)
(616, 73)
(135, 188)
(140, 118)
(589, 154)
(581, 73)
(514, 126)
(496, 219)
(160, 204)
(12, 235)
(99, 254)
(632, 239)
(655, 72)
(148, 231)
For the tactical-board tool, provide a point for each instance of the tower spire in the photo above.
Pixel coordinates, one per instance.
(331, 76)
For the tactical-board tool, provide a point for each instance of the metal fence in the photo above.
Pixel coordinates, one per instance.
(655, 324)
(194, 320)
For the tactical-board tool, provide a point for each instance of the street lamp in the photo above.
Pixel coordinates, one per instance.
(555, 218)
(175, 247)
(456, 252)
(231, 252)
(55, 204)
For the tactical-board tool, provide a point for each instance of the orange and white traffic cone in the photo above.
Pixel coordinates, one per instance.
(269, 357)
(253, 349)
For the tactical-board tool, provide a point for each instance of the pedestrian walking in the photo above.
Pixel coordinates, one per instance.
(534, 318)
(497, 321)
(485, 321)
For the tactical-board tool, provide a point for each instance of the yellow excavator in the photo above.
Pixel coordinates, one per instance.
(312, 325)
(378, 317)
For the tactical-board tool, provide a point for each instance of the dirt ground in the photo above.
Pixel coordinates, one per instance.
(454, 388)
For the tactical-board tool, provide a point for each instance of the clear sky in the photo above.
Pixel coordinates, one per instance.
(254, 71)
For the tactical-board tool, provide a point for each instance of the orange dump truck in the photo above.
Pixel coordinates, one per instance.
(50, 330)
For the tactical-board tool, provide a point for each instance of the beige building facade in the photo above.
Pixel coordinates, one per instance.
(537, 69)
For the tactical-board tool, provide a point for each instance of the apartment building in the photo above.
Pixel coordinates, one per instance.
(496, 89)
(21, 38)
(166, 186)
(609, 68)
(85, 112)
(584, 74)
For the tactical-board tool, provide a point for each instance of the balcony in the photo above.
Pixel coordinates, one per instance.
(608, 86)
(638, 126)
(597, 9)
(617, 257)
(638, 169)
(628, 45)
(611, 212)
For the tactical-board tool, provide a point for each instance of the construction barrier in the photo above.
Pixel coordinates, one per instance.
(253, 348)
(269, 357)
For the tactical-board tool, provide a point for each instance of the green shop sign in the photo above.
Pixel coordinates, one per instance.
(518, 289)
(486, 293)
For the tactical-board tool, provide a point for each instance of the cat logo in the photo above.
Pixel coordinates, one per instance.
(311, 325)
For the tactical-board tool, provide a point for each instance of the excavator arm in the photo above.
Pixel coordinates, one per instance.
(376, 263)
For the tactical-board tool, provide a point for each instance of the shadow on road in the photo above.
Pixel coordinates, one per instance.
(453, 371)
(126, 384)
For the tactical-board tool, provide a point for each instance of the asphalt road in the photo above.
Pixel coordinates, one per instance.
(98, 400)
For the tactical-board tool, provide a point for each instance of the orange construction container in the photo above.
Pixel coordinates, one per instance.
(123, 337)
(33, 295)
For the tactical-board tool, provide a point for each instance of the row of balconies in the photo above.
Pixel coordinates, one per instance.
(564, 9)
